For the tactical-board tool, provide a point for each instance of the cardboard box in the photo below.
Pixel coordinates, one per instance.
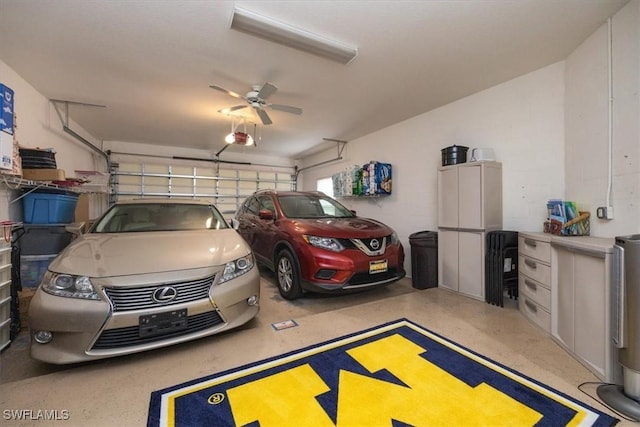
(43, 174)
(82, 209)
(6, 151)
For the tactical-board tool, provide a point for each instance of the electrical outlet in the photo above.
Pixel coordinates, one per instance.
(604, 212)
(609, 212)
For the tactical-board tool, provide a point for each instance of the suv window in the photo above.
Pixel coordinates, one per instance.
(311, 206)
(257, 203)
(253, 206)
(266, 203)
(329, 209)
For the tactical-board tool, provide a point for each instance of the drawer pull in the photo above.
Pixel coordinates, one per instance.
(530, 242)
(530, 264)
(531, 306)
(531, 285)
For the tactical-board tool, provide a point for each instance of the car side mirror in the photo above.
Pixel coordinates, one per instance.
(75, 229)
(353, 212)
(265, 214)
(235, 224)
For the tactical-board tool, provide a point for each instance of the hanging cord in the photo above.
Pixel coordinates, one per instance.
(600, 401)
(18, 184)
(7, 229)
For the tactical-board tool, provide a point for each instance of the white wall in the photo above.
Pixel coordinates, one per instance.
(548, 128)
(587, 131)
(38, 125)
(522, 120)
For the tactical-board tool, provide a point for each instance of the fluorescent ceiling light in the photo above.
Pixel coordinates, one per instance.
(279, 32)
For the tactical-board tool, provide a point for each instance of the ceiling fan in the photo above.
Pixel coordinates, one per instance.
(256, 98)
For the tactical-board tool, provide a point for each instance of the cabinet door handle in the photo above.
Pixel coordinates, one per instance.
(530, 264)
(531, 284)
(531, 306)
(530, 242)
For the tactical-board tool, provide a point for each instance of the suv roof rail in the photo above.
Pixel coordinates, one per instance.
(271, 190)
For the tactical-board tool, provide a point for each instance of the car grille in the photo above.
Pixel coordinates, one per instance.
(364, 278)
(125, 337)
(352, 243)
(128, 299)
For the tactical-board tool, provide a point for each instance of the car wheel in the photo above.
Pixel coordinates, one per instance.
(288, 276)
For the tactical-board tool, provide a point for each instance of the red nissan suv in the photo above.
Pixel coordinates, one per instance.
(314, 243)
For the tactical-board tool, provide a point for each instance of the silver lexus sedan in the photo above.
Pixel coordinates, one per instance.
(148, 274)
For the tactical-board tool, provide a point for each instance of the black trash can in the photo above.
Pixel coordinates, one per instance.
(424, 259)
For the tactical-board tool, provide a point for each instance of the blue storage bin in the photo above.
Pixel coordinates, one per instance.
(33, 267)
(49, 207)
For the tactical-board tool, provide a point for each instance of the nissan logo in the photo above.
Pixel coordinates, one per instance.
(165, 294)
(375, 244)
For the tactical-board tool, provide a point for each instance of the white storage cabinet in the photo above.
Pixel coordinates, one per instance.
(469, 205)
(581, 299)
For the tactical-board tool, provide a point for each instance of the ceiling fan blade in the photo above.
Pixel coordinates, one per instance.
(267, 90)
(232, 109)
(236, 107)
(228, 92)
(286, 108)
(263, 116)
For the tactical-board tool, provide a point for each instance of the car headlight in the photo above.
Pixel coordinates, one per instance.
(327, 243)
(67, 285)
(236, 268)
(394, 239)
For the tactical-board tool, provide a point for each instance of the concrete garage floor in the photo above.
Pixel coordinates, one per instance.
(116, 391)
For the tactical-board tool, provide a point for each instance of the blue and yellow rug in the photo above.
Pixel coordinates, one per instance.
(396, 374)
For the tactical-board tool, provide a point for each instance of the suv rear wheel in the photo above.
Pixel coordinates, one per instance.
(288, 275)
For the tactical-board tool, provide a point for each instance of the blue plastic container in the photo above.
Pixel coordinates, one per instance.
(32, 268)
(49, 207)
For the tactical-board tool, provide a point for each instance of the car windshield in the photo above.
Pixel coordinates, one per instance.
(144, 217)
(312, 206)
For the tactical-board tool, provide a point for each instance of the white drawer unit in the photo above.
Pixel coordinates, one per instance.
(534, 312)
(531, 246)
(534, 290)
(5, 265)
(534, 278)
(5, 296)
(535, 269)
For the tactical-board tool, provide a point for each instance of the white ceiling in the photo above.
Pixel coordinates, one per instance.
(151, 62)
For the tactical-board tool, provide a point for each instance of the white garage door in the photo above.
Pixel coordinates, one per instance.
(225, 185)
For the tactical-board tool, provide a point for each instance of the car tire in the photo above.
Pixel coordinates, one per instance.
(288, 275)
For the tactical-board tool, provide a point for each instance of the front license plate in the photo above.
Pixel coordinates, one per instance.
(162, 323)
(379, 266)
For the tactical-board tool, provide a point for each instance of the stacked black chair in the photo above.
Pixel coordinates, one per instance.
(34, 158)
(501, 266)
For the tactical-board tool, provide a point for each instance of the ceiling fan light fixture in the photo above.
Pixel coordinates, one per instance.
(285, 34)
(239, 138)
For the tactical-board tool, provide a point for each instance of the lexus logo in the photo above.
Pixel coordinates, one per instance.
(375, 244)
(165, 294)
